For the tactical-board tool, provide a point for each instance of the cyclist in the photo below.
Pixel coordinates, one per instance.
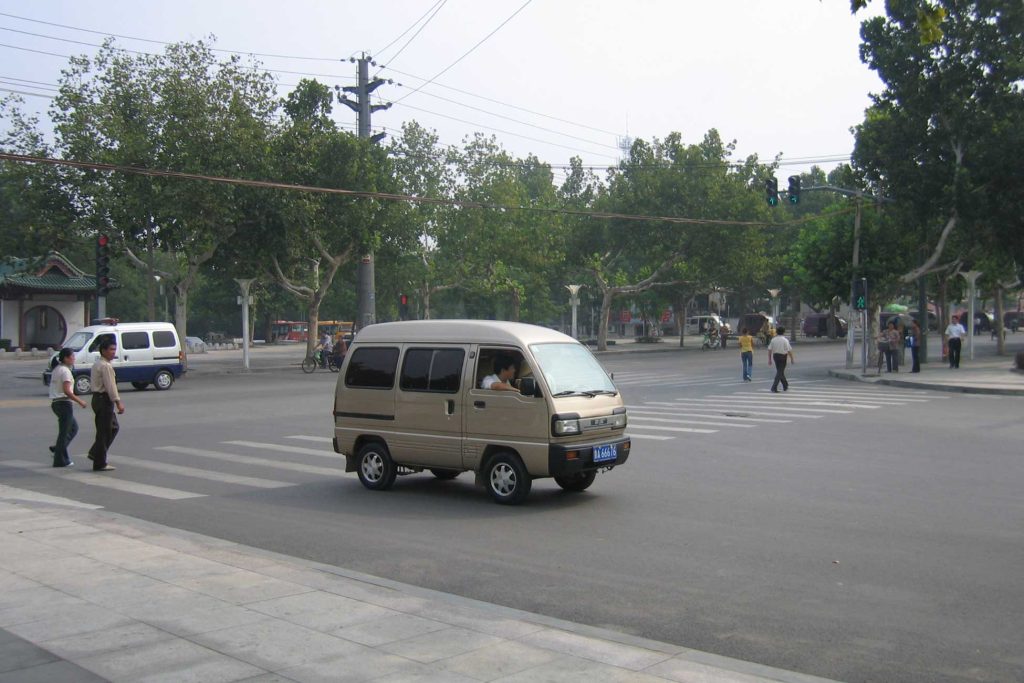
(323, 349)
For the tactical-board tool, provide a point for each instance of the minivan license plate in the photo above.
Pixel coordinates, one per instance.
(603, 453)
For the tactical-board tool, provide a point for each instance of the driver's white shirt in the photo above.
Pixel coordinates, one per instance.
(488, 381)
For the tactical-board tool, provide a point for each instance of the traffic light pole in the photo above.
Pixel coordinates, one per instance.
(365, 283)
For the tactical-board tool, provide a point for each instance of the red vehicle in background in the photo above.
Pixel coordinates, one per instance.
(289, 331)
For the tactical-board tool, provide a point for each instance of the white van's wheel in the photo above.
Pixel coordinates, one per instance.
(507, 479)
(83, 385)
(579, 481)
(141, 386)
(377, 470)
(163, 380)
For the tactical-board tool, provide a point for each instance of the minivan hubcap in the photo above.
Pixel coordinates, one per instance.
(503, 479)
(373, 466)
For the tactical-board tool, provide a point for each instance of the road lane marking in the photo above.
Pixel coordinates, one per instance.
(318, 439)
(204, 474)
(692, 430)
(24, 403)
(746, 410)
(634, 418)
(650, 437)
(754, 403)
(248, 460)
(643, 410)
(105, 480)
(284, 449)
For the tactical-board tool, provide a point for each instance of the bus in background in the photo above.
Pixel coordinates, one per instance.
(289, 331)
(338, 329)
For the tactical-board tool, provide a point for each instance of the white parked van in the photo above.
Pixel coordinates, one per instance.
(147, 353)
(411, 397)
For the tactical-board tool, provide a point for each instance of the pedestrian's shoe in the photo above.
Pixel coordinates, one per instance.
(105, 468)
(70, 463)
(775, 391)
(53, 449)
(90, 457)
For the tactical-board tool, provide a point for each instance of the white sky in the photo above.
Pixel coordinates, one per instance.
(777, 76)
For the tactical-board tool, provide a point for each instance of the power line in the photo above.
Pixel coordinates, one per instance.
(468, 52)
(25, 92)
(439, 4)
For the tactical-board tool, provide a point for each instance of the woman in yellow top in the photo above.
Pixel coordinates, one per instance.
(747, 354)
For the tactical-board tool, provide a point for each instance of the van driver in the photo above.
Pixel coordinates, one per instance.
(504, 371)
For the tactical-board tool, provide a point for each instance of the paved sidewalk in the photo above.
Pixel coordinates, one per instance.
(90, 595)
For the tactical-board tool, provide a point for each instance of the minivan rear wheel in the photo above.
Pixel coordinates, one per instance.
(507, 479)
(578, 481)
(377, 470)
(163, 380)
(83, 384)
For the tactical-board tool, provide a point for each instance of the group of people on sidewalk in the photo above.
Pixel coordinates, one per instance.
(106, 405)
(780, 352)
(892, 341)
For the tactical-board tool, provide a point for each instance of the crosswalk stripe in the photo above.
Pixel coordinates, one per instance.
(866, 396)
(285, 449)
(693, 430)
(106, 481)
(318, 439)
(261, 462)
(650, 437)
(635, 410)
(204, 474)
(756, 403)
(633, 419)
(798, 401)
(749, 411)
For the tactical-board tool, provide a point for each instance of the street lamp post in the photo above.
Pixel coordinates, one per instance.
(574, 299)
(775, 303)
(244, 284)
(972, 278)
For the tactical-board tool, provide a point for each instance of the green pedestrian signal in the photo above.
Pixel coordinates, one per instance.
(860, 294)
(771, 188)
(794, 189)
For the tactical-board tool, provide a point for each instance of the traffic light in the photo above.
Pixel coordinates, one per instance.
(771, 188)
(794, 189)
(102, 265)
(403, 307)
(860, 294)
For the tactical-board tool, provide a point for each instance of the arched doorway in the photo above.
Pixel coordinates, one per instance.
(44, 327)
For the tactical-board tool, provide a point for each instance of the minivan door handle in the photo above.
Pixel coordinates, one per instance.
(449, 407)
(479, 404)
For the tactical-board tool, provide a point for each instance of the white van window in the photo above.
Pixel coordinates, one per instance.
(437, 370)
(570, 368)
(372, 368)
(95, 345)
(163, 339)
(134, 340)
(78, 340)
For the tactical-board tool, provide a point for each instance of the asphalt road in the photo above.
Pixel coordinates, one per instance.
(856, 532)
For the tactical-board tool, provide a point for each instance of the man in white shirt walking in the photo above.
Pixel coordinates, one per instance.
(955, 332)
(779, 350)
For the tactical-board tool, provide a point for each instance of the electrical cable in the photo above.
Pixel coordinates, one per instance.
(440, 4)
(468, 52)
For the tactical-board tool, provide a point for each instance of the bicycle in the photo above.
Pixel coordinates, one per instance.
(315, 360)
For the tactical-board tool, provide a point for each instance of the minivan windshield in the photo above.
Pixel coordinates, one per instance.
(78, 340)
(571, 370)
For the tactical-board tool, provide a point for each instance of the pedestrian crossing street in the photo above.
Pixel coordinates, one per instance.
(198, 472)
(753, 408)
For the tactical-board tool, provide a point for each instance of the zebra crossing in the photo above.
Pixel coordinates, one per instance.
(668, 419)
(199, 472)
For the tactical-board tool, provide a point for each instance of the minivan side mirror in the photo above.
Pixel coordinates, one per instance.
(528, 386)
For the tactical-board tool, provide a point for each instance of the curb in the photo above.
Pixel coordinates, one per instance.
(910, 384)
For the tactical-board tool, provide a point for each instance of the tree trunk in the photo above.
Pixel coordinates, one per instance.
(679, 313)
(606, 308)
(1000, 337)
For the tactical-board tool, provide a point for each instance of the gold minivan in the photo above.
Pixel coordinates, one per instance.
(411, 397)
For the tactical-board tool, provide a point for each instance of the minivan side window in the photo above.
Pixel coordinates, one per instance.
(434, 370)
(372, 368)
(163, 339)
(134, 340)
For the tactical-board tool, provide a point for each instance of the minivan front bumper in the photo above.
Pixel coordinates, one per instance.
(566, 459)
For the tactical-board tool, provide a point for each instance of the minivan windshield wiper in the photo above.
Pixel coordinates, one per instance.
(602, 392)
(590, 393)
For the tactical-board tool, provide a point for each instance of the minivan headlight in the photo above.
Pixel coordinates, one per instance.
(563, 425)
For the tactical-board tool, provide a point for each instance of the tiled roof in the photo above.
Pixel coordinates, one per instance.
(54, 273)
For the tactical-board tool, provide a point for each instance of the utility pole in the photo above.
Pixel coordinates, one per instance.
(365, 286)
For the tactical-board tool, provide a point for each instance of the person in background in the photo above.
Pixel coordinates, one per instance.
(955, 333)
(915, 346)
(779, 349)
(747, 354)
(892, 353)
(105, 400)
(62, 395)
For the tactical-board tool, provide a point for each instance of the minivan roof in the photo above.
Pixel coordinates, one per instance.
(459, 331)
(128, 327)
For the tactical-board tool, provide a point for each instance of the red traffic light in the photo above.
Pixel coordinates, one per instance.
(102, 240)
(403, 299)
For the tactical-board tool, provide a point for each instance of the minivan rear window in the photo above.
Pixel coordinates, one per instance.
(372, 368)
(134, 340)
(163, 339)
(435, 370)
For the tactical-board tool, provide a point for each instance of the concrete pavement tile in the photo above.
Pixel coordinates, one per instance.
(122, 590)
(188, 621)
(9, 581)
(597, 649)
(238, 559)
(132, 634)
(367, 665)
(241, 586)
(276, 645)
(428, 675)
(51, 673)
(68, 621)
(34, 604)
(320, 611)
(61, 536)
(20, 553)
(449, 642)
(494, 661)
(174, 659)
(390, 629)
(685, 671)
(569, 669)
(17, 653)
(477, 620)
(120, 551)
(70, 571)
(34, 522)
(348, 587)
(268, 678)
(175, 566)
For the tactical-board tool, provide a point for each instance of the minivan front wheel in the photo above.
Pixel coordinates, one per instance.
(507, 479)
(83, 384)
(578, 481)
(163, 380)
(377, 470)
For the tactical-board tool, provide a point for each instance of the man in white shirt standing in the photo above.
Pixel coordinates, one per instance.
(62, 395)
(779, 350)
(955, 332)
